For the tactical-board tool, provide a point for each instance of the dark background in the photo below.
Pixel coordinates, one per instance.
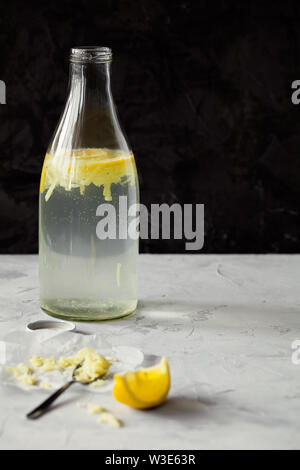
(203, 90)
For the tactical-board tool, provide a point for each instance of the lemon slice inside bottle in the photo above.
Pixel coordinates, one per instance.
(80, 168)
(144, 388)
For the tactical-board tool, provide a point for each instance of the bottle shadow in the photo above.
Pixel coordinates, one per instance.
(164, 310)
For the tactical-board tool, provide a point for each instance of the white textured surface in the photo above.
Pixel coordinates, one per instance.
(225, 322)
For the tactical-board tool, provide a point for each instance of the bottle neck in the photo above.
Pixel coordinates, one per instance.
(89, 119)
(89, 86)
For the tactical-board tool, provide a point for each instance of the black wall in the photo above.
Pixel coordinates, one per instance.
(203, 90)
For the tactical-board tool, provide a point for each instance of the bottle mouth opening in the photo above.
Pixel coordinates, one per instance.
(87, 54)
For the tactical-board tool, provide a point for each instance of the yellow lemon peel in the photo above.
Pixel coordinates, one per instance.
(118, 274)
(80, 168)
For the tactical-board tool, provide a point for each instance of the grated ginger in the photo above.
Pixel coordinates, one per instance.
(81, 405)
(109, 418)
(23, 373)
(105, 416)
(97, 383)
(93, 366)
(36, 361)
(45, 364)
(20, 370)
(95, 409)
(29, 380)
(45, 385)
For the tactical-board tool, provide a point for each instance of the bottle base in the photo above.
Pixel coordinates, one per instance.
(76, 310)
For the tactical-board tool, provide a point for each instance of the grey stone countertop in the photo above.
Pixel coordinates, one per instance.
(227, 325)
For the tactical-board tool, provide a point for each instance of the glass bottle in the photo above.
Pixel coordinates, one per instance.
(88, 265)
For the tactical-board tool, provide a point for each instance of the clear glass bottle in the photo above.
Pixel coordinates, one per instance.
(84, 275)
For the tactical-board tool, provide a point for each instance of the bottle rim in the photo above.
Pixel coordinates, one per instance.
(88, 54)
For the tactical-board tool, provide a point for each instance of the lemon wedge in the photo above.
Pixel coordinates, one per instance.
(144, 388)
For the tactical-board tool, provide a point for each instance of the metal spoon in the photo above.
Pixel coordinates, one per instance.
(41, 409)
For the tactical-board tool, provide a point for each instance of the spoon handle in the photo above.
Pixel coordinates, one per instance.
(40, 410)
